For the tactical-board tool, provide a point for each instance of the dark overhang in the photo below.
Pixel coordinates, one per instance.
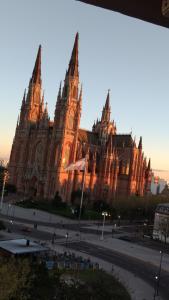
(147, 10)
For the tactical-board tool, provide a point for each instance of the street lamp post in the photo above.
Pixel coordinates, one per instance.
(119, 217)
(158, 277)
(3, 189)
(159, 272)
(104, 214)
(155, 287)
(66, 236)
(8, 210)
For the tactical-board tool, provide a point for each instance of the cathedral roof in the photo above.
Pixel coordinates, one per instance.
(92, 138)
(89, 137)
(122, 140)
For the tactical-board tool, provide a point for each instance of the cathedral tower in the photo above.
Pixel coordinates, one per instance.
(66, 125)
(29, 114)
(34, 99)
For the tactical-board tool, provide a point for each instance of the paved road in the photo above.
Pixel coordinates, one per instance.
(68, 226)
(139, 268)
(37, 234)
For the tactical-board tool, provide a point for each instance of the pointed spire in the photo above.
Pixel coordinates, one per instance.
(94, 126)
(106, 110)
(149, 165)
(140, 143)
(18, 120)
(45, 115)
(60, 90)
(43, 97)
(24, 98)
(36, 75)
(42, 105)
(59, 96)
(107, 104)
(80, 95)
(46, 107)
(73, 64)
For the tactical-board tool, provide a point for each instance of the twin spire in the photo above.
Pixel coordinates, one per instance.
(107, 104)
(36, 74)
(73, 64)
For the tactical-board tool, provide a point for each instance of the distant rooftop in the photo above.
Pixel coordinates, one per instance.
(19, 246)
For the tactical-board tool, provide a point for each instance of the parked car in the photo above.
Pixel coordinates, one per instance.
(26, 229)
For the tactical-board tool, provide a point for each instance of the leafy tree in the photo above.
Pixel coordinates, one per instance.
(13, 281)
(2, 226)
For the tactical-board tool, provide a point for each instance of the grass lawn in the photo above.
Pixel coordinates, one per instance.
(98, 285)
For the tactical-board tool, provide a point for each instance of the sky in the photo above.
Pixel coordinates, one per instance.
(116, 52)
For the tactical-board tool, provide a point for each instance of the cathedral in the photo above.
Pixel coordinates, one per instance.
(42, 149)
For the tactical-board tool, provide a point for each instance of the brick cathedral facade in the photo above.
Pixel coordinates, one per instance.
(43, 148)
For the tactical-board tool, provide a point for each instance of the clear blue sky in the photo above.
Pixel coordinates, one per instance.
(125, 55)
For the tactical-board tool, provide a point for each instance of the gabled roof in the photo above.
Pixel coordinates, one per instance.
(89, 137)
(122, 140)
(92, 138)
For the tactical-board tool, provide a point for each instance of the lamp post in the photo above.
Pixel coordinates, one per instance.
(158, 277)
(66, 236)
(155, 287)
(159, 272)
(104, 214)
(8, 210)
(119, 217)
(3, 188)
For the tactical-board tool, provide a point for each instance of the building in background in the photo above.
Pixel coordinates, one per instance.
(42, 148)
(157, 184)
(161, 223)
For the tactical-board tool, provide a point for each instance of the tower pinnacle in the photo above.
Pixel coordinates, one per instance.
(140, 143)
(106, 110)
(149, 165)
(107, 104)
(73, 64)
(36, 75)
